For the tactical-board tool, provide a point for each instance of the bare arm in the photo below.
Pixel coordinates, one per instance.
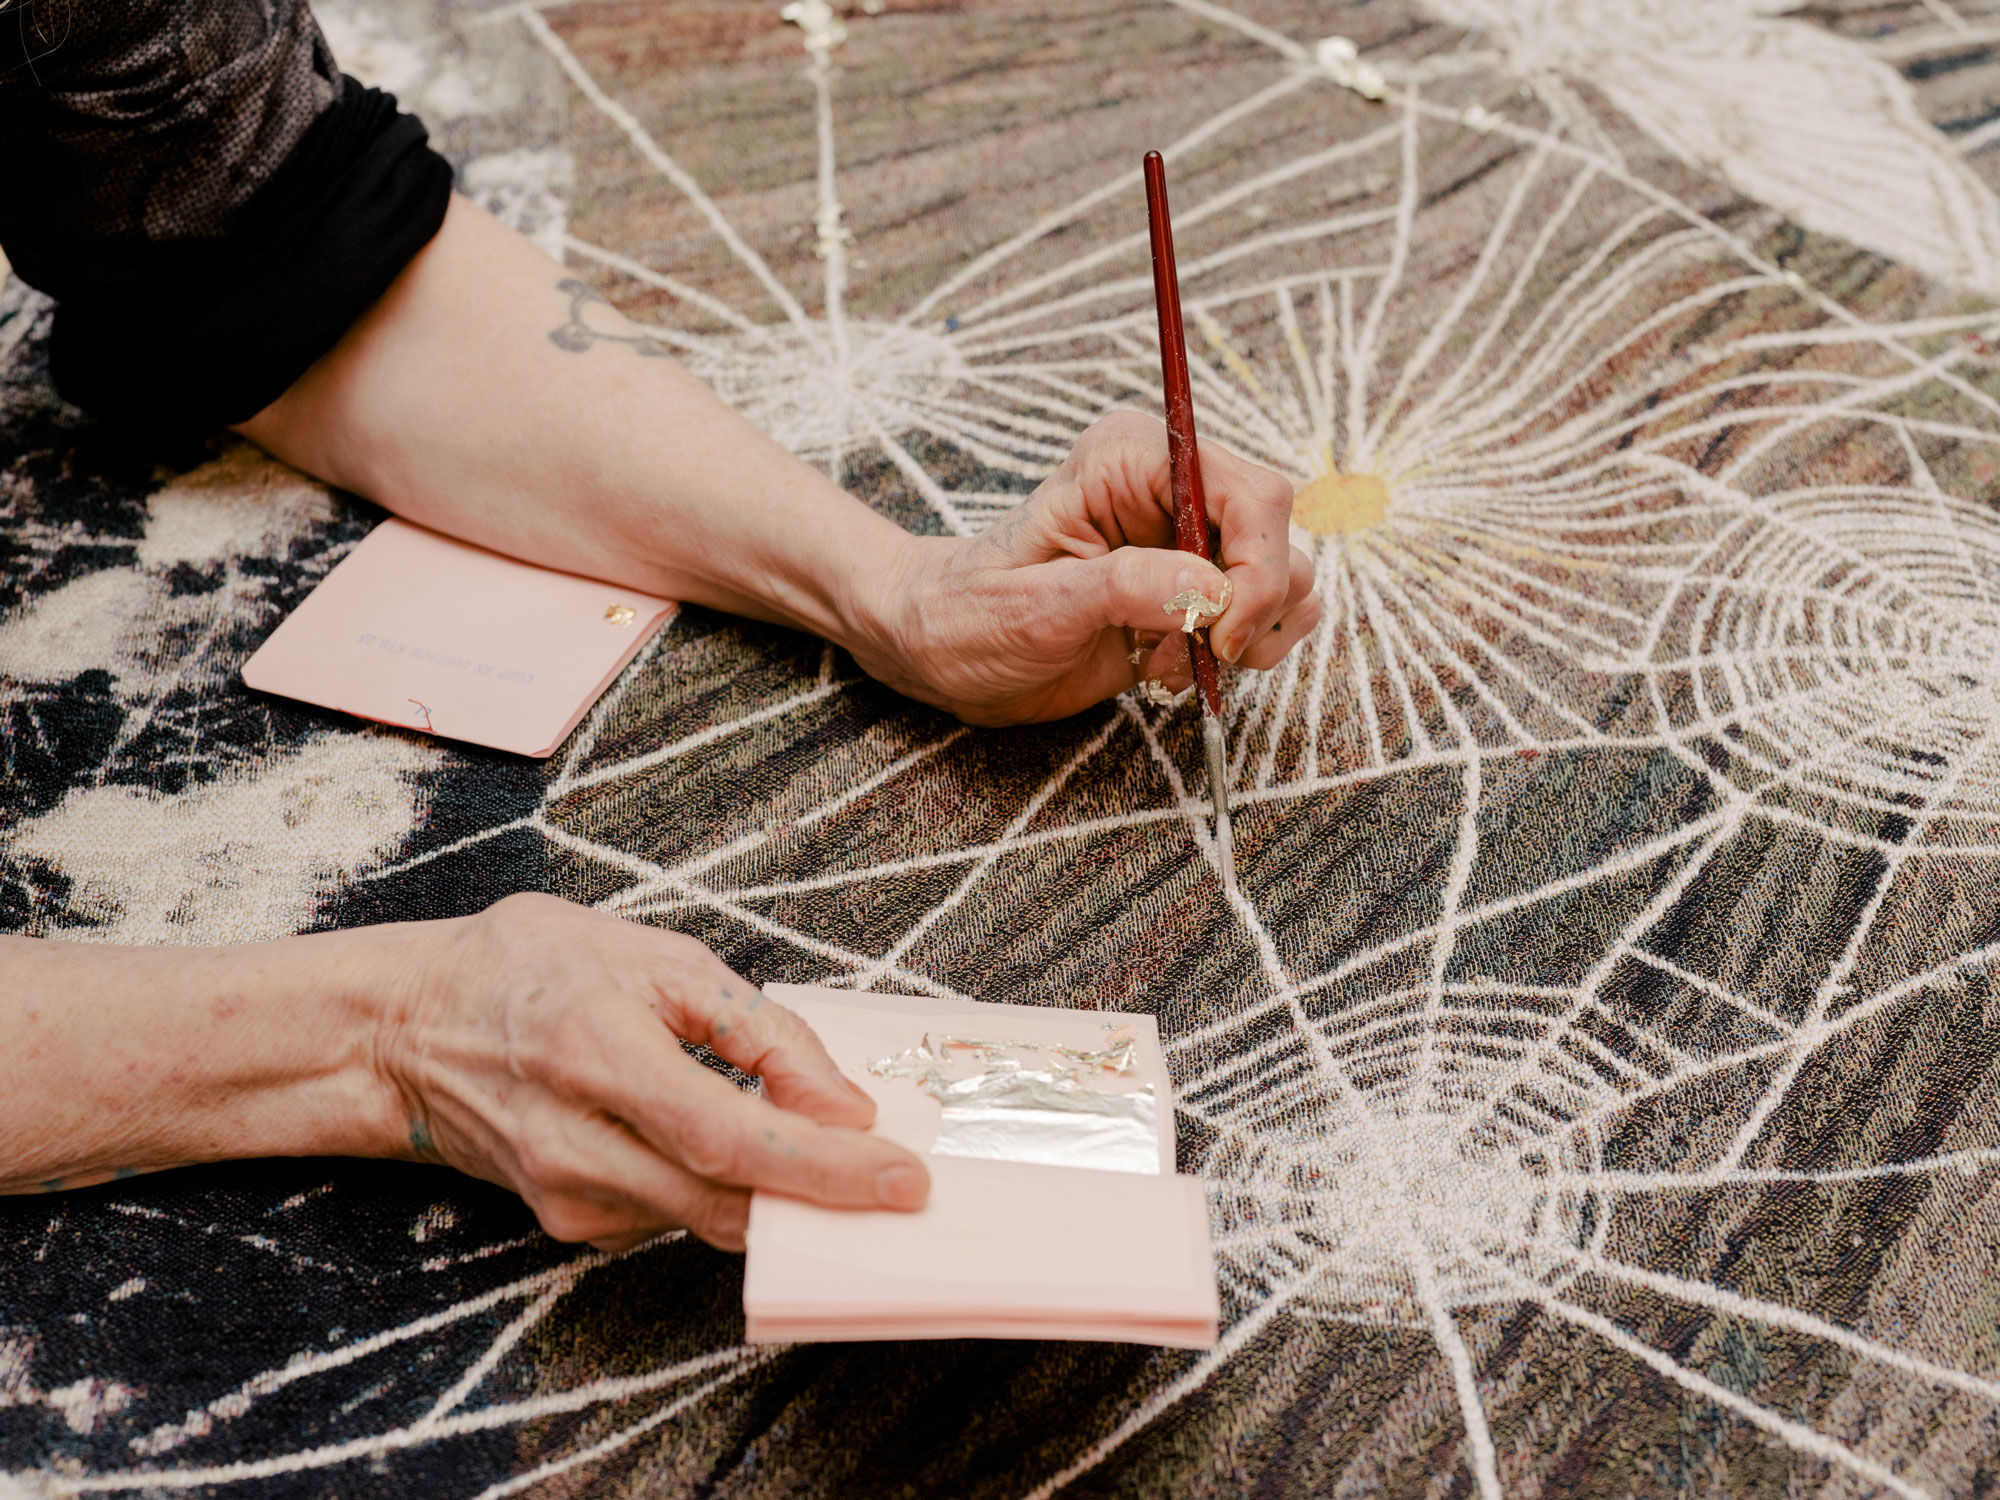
(124, 1060)
(452, 403)
(536, 1045)
(490, 397)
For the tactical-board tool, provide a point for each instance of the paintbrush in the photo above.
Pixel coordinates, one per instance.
(1190, 503)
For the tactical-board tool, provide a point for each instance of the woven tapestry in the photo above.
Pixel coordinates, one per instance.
(1594, 1073)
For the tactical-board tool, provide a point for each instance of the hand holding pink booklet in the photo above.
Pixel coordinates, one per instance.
(1054, 1210)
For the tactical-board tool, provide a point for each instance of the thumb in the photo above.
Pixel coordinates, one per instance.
(1131, 587)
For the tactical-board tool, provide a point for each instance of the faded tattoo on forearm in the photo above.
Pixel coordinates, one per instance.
(577, 335)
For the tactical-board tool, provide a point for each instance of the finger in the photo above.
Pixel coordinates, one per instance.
(1251, 506)
(1292, 624)
(697, 1119)
(1143, 643)
(1304, 578)
(588, 1178)
(1298, 622)
(711, 1006)
(731, 1235)
(1117, 480)
(1129, 587)
(1169, 663)
(718, 1215)
(1105, 670)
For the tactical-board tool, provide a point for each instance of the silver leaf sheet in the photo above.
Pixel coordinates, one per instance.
(1009, 1112)
(1032, 1116)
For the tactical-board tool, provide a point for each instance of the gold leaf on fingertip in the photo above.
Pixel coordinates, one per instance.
(1198, 606)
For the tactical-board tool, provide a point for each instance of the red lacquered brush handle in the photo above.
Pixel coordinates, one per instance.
(1183, 454)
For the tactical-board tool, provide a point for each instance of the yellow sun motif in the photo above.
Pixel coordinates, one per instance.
(1337, 502)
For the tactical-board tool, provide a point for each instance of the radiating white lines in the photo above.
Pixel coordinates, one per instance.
(1605, 507)
(479, 1419)
(1239, 1334)
(490, 1357)
(312, 1363)
(624, 1436)
(643, 142)
(447, 1417)
(1796, 1434)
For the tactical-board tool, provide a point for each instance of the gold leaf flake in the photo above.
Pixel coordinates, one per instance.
(1198, 606)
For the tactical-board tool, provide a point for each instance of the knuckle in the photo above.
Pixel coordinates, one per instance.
(1121, 426)
(570, 1058)
(1256, 481)
(720, 1217)
(792, 1031)
(711, 1154)
(692, 971)
(528, 906)
(515, 927)
(688, 952)
(545, 1163)
(775, 1026)
(566, 1073)
(572, 1221)
(1119, 432)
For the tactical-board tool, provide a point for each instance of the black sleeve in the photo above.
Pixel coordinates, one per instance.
(208, 200)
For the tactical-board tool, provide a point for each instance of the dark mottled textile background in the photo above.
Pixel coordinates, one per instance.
(1595, 1081)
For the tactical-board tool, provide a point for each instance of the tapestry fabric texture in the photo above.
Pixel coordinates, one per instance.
(1595, 1080)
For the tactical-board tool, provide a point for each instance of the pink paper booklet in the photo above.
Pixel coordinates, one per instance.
(1054, 1210)
(425, 632)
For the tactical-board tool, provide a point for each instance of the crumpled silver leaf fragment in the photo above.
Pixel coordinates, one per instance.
(1199, 607)
(1009, 1112)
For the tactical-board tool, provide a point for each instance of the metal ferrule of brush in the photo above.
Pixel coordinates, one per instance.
(1217, 752)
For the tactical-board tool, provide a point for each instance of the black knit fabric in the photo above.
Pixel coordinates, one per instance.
(208, 200)
(146, 121)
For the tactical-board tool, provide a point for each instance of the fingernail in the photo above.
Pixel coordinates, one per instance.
(901, 1187)
(1230, 649)
(856, 1089)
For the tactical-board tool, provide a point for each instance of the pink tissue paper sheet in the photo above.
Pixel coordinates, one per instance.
(1003, 1249)
(426, 632)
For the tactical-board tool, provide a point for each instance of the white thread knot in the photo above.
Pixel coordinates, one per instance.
(817, 20)
(1340, 60)
(829, 233)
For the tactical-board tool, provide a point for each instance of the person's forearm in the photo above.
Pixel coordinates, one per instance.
(124, 1060)
(481, 398)
(538, 1045)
